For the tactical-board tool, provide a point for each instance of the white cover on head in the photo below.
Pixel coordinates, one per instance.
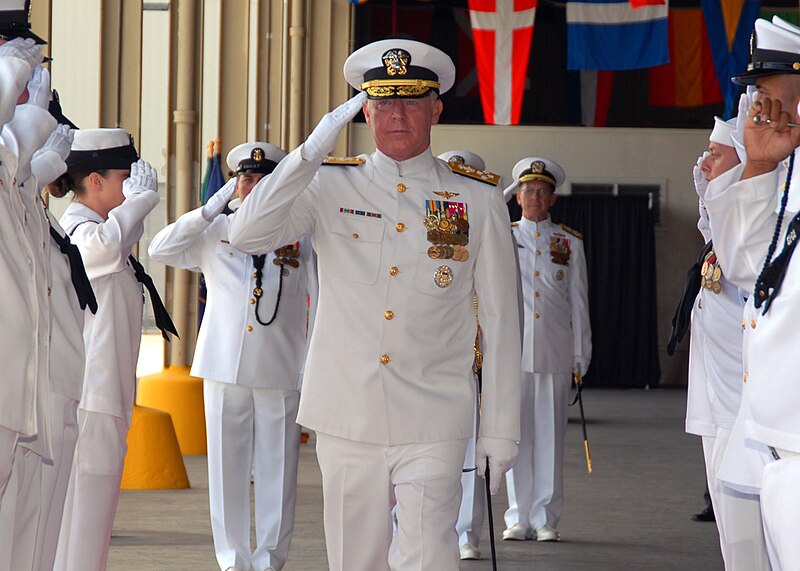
(241, 152)
(552, 167)
(778, 35)
(422, 55)
(723, 131)
(96, 139)
(467, 157)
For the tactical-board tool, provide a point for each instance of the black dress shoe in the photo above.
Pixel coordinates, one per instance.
(705, 515)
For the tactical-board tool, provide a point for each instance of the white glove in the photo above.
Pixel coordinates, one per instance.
(143, 178)
(580, 366)
(25, 49)
(502, 454)
(323, 138)
(217, 203)
(59, 141)
(700, 181)
(745, 101)
(39, 93)
(510, 190)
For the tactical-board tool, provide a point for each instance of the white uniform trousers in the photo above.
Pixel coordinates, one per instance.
(254, 428)
(738, 517)
(92, 493)
(473, 491)
(360, 484)
(8, 444)
(55, 478)
(780, 508)
(535, 484)
(19, 513)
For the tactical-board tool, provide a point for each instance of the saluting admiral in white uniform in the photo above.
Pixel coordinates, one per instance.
(742, 206)
(250, 352)
(556, 343)
(403, 244)
(114, 191)
(471, 513)
(715, 373)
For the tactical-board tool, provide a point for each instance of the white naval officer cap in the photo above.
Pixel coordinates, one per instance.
(397, 68)
(774, 49)
(254, 157)
(723, 131)
(101, 149)
(465, 157)
(534, 168)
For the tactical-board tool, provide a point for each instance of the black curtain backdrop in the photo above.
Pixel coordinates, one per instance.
(619, 240)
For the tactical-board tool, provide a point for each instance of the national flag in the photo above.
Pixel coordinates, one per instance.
(213, 180)
(502, 31)
(689, 79)
(729, 24)
(614, 35)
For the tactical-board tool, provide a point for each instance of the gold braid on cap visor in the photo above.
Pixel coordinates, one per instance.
(398, 87)
(534, 176)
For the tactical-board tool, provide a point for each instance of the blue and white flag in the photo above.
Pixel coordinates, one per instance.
(615, 35)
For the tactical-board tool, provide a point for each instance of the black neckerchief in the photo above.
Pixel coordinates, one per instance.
(80, 281)
(770, 279)
(683, 312)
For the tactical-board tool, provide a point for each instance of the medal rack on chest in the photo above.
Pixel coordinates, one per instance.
(284, 256)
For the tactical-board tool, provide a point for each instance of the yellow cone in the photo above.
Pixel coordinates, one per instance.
(175, 391)
(154, 460)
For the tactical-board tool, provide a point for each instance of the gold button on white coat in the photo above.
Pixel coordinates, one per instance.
(252, 301)
(536, 315)
(393, 271)
(388, 314)
(249, 327)
(400, 227)
(355, 236)
(536, 274)
(385, 359)
(401, 187)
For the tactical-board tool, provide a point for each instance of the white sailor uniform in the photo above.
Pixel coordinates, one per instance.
(388, 382)
(251, 386)
(557, 338)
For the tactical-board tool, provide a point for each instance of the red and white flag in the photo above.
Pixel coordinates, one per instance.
(502, 31)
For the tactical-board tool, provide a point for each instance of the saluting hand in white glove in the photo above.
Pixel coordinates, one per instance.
(25, 49)
(143, 178)
(59, 141)
(39, 93)
(501, 453)
(700, 181)
(323, 138)
(219, 200)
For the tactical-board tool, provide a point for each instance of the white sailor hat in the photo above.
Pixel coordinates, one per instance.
(538, 168)
(399, 69)
(774, 49)
(465, 157)
(14, 20)
(723, 131)
(101, 149)
(256, 157)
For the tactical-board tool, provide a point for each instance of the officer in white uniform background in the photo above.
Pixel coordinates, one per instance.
(715, 373)
(742, 206)
(250, 352)
(471, 512)
(556, 344)
(403, 245)
(114, 191)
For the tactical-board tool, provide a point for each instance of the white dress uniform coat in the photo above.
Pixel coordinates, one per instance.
(557, 337)
(25, 306)
(743, 217)
(242, 360)
(112, 339)
(390, 361)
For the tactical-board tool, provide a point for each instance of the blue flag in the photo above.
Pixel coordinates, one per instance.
(615, 35)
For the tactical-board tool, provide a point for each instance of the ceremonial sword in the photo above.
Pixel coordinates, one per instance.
(578, 379)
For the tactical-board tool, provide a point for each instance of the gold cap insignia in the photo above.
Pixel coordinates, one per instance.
(257, 155)
(396, 61)
(537, 167)
(457, 159)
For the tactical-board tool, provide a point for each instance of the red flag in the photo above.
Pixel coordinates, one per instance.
(502, 31)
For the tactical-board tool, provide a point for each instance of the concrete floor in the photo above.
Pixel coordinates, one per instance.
(631, 513)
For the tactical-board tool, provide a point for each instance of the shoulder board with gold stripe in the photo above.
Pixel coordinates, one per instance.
(477, 174)
(571, 231)
(343, 161)
(514, 224)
